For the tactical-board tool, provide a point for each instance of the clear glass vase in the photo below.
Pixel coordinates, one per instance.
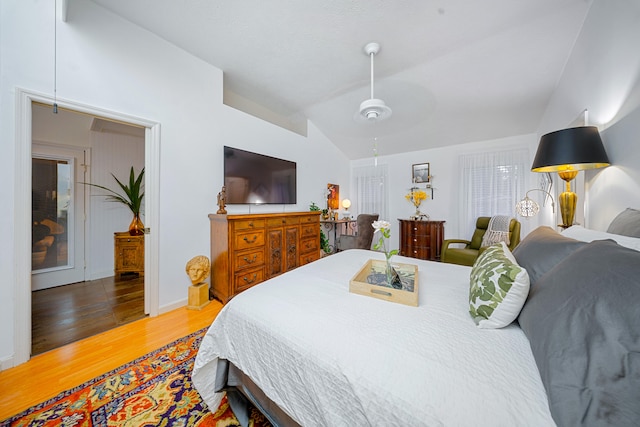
(390, 272)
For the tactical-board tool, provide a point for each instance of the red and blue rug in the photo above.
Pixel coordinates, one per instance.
(153, 390)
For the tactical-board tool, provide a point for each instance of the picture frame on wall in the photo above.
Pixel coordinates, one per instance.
(333, 196)
(420, 173)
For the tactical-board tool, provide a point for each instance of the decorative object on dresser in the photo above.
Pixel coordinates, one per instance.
(468, 254)
(567, 152)
(416, 196)
(198, 269)
(421, 239)
(222, 200)
(128, 253)
(248, 249)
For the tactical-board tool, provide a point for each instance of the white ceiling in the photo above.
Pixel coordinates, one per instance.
(452, 71)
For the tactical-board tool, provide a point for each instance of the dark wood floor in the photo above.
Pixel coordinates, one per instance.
(68, 313)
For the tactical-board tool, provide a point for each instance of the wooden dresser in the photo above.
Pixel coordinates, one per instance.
(421, 239)
(248, 249)
(128, 253)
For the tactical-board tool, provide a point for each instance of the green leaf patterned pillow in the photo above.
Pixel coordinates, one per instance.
(499, 288)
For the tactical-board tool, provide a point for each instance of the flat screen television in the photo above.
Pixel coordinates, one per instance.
(252, 178)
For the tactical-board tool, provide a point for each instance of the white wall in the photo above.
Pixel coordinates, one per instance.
(108, 63)
(110, 154)
(603, 76)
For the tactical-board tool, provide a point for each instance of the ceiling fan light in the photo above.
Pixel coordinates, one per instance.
(374, 109)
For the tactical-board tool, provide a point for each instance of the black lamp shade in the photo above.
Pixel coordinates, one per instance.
(570, 149)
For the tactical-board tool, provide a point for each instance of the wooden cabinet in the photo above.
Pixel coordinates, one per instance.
(421, 239)
(248, 249)
(128, 253)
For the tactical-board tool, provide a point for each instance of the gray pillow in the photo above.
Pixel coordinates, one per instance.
(627, 223)
(583, 323)
(542, 249)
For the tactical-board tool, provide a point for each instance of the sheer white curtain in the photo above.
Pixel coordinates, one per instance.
(371, 190)
(492, 184)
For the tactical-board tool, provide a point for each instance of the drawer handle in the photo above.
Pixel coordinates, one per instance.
(251, 261)
(250, 281)
(415, 240)
(252, 241)
(251, 224)
(292, 249)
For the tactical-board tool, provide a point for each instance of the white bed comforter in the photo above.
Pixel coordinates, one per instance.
(328, 357)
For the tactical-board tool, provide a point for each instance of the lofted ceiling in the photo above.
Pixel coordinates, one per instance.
(452, 71)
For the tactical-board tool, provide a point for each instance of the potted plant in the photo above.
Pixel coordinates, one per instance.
(324, 242)
(132, 196)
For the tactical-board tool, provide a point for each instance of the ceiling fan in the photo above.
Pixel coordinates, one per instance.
(373, 109)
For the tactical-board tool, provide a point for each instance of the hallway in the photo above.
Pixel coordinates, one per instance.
(68, 313)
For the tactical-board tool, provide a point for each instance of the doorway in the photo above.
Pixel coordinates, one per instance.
(23, 224)
(75, 293)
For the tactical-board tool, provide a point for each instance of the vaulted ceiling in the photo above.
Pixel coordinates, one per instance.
(452, 71)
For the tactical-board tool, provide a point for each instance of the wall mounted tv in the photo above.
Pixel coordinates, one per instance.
(252, 178)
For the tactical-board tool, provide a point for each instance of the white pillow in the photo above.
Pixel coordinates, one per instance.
(586, 235)
(498, 288)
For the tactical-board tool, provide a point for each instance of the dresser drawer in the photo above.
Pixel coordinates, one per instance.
(247, 279)
(310, 257)
(250, 239)
(249, 259)
(315, 219)
(309, 245)
(248, 224)
(419, 240)
(278, 222)
(309, 230)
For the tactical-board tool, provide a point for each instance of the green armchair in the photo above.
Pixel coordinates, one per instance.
(467, 255)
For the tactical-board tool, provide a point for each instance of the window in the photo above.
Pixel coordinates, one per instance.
(371, 189)
(492, 184)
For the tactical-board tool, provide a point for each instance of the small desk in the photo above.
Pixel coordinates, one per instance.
(346, 226)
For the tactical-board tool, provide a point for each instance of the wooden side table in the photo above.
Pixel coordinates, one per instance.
(421, 239)
(128, 254)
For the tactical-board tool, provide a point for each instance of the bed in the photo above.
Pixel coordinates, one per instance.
(330, 357)
(308, 352)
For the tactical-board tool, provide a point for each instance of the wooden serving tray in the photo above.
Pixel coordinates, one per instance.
(370, 280)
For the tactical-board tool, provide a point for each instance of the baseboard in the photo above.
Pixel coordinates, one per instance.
(6, 363)
(173, 306)
(100, 274)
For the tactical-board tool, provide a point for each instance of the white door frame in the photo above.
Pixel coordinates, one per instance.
(22, 219)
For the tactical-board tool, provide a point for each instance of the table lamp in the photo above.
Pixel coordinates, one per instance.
(567, 152)
(346, 204)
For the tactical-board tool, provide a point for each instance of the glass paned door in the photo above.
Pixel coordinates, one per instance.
(57, 213)
(51, 200)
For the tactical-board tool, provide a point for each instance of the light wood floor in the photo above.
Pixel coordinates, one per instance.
(48, 374)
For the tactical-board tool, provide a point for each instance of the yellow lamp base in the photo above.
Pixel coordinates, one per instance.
(568, 201)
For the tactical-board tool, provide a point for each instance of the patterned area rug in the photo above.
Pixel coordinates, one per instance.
(153, 390)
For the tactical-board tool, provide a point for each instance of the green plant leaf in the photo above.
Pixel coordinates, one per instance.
(133, 193)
